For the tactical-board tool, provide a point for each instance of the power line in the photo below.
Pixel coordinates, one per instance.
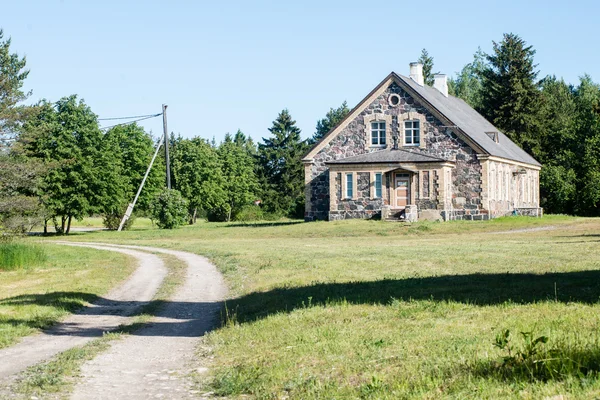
(131, 122)
(132, 117)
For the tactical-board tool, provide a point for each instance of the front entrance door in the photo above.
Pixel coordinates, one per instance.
(402, 190)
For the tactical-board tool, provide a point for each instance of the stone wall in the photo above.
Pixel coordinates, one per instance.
(439, 142)
(362, 206)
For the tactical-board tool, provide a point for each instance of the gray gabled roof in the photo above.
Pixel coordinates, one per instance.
(473, 124)
(387, 156)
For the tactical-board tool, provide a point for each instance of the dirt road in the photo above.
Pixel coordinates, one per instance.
(152, 361)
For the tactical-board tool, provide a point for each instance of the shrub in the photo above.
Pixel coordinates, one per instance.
(18, 255)
(112, 221)
(249, 213)
(169, 209)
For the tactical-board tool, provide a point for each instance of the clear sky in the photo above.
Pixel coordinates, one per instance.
(224, 65)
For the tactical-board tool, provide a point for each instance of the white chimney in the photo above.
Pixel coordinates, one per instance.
(416, 72)
(440, 82)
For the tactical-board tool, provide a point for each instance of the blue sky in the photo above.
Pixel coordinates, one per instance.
(226, 65)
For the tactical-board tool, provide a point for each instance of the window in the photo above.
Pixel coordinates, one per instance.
(412, 133)
(349, 187)
(378, 185)
(378, 133)
(394, 100)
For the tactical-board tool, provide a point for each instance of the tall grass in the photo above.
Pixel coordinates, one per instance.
(19, 255)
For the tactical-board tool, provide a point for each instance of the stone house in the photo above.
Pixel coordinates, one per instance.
(411, 151)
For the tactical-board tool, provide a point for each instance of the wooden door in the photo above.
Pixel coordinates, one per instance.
(402, 191)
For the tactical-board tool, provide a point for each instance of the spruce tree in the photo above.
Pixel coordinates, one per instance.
(281, 169)
(427, 62)
(333, 117)
(510, 95)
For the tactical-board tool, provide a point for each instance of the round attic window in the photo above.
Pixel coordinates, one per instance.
(394, 100)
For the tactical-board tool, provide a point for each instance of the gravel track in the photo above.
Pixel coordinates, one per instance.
(90, 322)
(153, 362)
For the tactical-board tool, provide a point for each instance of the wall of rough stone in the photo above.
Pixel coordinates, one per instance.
(362, 206)
(440, 142)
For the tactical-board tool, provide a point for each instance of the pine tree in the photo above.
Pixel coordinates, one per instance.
(20, 207)
(281, 169)
(12, 77)
(511, 96)
(333, 117)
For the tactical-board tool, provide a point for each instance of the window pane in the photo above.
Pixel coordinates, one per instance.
(374, 139)
(378, 185)
(408, 140)
(408, 124)
(382, 139)
(415, 124)
(416, 136)
(373, 125)
(382, 125)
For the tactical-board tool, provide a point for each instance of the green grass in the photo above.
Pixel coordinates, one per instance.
(39, 294)
(368, 309)
(20, 255)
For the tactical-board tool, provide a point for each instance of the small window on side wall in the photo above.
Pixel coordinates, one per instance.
(378, 185)
(412, 133)
(349, 188)
(378, 133)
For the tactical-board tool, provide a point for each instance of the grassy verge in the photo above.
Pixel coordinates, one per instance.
(38, 294)
(367, 309)
(57, 376)
(16, 255)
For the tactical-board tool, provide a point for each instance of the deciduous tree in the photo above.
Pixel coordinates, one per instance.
(239, 173)
(65, 136)
(197, 175)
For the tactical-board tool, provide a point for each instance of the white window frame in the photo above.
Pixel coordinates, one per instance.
(378, 132)
(349, 190)
(375, 195)
(412, 130)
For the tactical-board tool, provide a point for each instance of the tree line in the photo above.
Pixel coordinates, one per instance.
(57, 164)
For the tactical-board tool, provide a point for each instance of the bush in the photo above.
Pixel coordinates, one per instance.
(19, 255)
(249, 213)
(112, 221)
(169, 209)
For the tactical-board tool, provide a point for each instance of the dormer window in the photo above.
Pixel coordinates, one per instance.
(412, 133)
(378, 133)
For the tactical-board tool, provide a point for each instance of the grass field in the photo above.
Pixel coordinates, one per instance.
(37, 295)
(367, 309)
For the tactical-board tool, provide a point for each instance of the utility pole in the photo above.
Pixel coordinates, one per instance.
(164, 113)
(137, 195)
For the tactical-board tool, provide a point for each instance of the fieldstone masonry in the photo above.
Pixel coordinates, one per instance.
(437, 140)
